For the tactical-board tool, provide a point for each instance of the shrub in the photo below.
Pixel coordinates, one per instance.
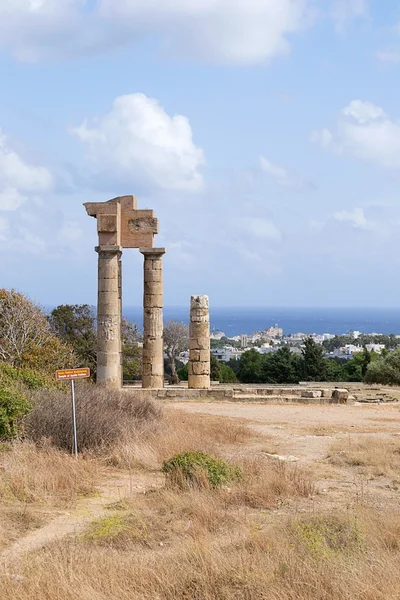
(13, 407)
(28, 378)
(199, 469)
(103, 416)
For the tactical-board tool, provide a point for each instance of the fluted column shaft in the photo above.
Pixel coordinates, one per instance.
(153, 342)
(109, 316)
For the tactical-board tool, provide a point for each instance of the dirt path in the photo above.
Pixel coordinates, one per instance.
(305, 434)
(88, 509)
(306, 431)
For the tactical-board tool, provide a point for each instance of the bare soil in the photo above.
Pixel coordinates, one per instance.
(308, 433)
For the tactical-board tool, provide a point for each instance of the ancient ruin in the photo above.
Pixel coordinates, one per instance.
(121, 225)
(199, 349)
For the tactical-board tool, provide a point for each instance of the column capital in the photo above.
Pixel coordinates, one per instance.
(152, 252)
(109, 249)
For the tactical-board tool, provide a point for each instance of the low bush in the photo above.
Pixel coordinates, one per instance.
(199, 469)
(15, 386)
(104, 416)
(13, 407)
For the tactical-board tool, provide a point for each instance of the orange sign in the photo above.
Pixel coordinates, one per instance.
(72, 374)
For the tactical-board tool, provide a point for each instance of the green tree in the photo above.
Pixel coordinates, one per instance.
(226, 374)
(334, 370)
(183, 372)
(26, 338)
(250, 367)
(75, 324)
(214, 368)
(131, 350)
(314, 365)
(176, 340)
(384, 369)
(281, 366)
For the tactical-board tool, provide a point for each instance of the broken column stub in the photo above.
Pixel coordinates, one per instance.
(153, 341)
(199, 345)
(109, 369)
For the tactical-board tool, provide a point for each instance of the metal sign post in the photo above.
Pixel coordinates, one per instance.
(71, 375)
(74, 418)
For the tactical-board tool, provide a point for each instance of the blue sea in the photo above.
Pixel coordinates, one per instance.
(234, 321)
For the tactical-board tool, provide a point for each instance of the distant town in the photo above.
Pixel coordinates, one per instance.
(343, 347)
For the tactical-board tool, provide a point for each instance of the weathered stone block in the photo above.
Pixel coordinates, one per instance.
(153, 301)
(340, 396)
(199, 302)
(153, 276)
(311, 394)
(201, 368)
(108, 285)
(199, 382)
(107, 223)
(152, 288)
(200, 330)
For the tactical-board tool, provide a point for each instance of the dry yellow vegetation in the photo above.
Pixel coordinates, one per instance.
(264, 536)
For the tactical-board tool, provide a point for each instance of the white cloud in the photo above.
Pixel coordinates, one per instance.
(367, 133)
(70, 234)
(343, 11)
(11, 199)
(356, 217)
(389, 56)
(138, 142)
(4, 227)
(33, 29)
(260, 228)
(283, 177)
(220, 30)
(323, 137)
(17, 173)
(231, 31)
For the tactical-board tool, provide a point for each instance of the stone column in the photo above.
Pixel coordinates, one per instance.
(153, 341)
(199, 350)
(109, 316)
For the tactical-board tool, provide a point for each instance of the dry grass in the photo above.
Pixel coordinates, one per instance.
(16, 520)
(226, 544)
(349, 556)
(43, 475)
(181, 432)
(103, 415)
(375, 456)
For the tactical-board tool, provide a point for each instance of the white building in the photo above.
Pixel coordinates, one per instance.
(227, 353)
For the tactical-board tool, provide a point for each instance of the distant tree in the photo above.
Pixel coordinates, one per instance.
(250, 367)
(334, 370)
(226, 374)
(23, 327)
(176, 340)
(183, 372)
(314, 364)
(234, 364)
(75, 324)
(131, 350)
(214, 368)
(281, 366)
(26, 339)
(384, 369)
(366, 359)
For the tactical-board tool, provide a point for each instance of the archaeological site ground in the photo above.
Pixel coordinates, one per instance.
(314, 513)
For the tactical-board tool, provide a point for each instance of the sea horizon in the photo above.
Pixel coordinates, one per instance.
(235, 320)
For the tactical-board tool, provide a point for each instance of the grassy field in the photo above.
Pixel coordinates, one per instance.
(273, 533)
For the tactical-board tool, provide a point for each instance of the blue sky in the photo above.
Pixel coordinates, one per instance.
(265, 134)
